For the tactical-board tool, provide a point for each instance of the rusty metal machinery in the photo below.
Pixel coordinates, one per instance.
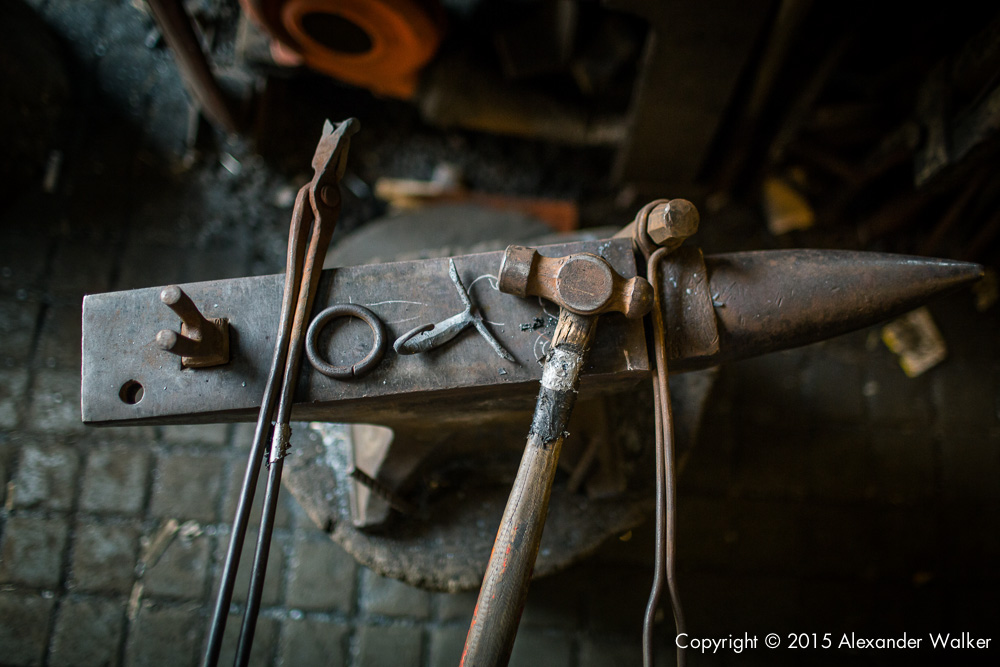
(376, 44)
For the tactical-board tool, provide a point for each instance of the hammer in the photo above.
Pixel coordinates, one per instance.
(584, 286)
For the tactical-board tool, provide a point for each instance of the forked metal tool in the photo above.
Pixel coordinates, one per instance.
(426, 337)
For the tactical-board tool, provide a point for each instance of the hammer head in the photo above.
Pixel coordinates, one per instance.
(583, 283)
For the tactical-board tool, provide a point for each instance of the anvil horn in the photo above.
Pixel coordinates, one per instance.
(775, 300)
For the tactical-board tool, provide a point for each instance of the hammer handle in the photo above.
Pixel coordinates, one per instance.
(505, 586)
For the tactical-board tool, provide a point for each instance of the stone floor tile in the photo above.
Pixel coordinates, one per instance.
(164, 636)
(32, 551)
(55, 403)
(13, 385)
(18, 320)
(215, 435)
(24, 626)
(265, 642)
(446, 645)
(455, 606)
(537, 647)
(383, 596)
(115, 480)
(187, 487)
(314, 642)
(104, 558)
(59, 339)
(88, 633)
(388, 646)
(181, 571)
(273, 584)
(46, 477)
(321, 576)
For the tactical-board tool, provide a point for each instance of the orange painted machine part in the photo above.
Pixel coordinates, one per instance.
(380, 45)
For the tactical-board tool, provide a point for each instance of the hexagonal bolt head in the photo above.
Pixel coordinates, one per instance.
(671, 223)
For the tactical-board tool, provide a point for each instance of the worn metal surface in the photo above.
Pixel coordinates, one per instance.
(118, 331)
(772, 300)
(427, 337)
(763, 301)
(670, 223)
(692, 331)
(581, 283)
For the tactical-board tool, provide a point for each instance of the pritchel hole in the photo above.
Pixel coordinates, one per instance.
(131, 392)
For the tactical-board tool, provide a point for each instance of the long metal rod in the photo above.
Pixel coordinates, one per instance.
(296, 248)
(666, 491)
(322, 232)
(175, 24)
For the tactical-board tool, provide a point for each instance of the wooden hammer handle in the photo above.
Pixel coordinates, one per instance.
(505, 586)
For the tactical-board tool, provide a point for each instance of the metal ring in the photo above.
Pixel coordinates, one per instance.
(362, 367)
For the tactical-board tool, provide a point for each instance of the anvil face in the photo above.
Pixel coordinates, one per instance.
(455, 380)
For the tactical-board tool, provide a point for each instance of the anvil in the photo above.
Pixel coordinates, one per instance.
(718, 308)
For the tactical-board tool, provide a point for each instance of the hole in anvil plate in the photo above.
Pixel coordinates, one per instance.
(131, 392)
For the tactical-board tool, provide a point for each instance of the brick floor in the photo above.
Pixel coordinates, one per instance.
(163, 635)
(314, 642)
(335, 591)
(115, 480)
(104, 557)
(33, 551)
(88, 632)
(827, 492)
(384, 646)
(24, 621)
(46, 477)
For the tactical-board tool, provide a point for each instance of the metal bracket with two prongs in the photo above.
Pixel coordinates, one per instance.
(426, 337)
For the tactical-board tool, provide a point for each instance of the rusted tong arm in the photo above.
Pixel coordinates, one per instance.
(671, 232)
(329, 163)
(584, 286)
(317, 203)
